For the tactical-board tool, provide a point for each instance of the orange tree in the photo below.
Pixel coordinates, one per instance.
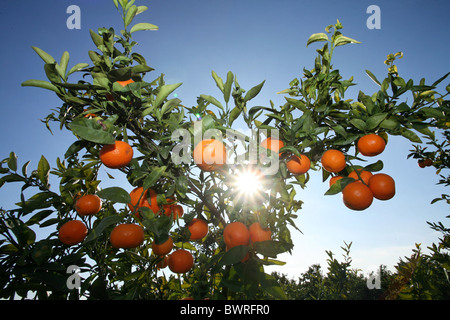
(113, 101)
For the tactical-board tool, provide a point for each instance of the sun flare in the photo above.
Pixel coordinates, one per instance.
(248, 183)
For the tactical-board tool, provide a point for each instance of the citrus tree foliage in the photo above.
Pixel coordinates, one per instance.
(98, 110)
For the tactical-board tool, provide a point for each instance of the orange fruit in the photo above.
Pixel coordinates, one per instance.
(124, 83)
(127, 235)
(117, 155)
(272, 144)
(181, 261)
(163, 263)
(365, 175)
(177, 211)
(357, 196)
(174, 209)
(257, 233)
(163, 248)
(236, 234)
(333, 160)
(198, 229)
(139, 198)
(72, 232)
(210, 155)
(382, 186)
(298, 165)
(88, 205)
(334, 179)
(371, 145)
(425, 163)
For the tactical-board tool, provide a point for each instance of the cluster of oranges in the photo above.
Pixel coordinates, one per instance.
(131, 235)
(359, 194)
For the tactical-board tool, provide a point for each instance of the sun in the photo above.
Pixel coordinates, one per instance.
(248, 183)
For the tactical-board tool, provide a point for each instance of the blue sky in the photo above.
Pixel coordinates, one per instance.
(257, 40)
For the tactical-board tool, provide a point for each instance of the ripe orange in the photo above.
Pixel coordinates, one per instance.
(236, 234)
(177, 211)
(88, 205)
(382, 186)
(425, 163)
(333, 160)
(198, 229)
(117, 155)
(357, 196)
(272, 144)
(298, 165)
(371, 145)
(163, 248)
(124, 83)
(139, 198)
(365, 175)
(257, 233)
(334, 179)
(72, 232)
(174, 209)
(127, 235)
(210, 155)
(163, 263)
(181, 261)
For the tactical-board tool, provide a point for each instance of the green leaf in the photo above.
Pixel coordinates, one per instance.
(43, 170)
(143, 26)
(271, 248)
(390, 123)
(12, 161)
(77, 67)
(234, 114)
(227, 87)
(44, 55)
(373, 121)
(234, 255)
(433, 113)
(342, 40)
(372, 76)
(410, 135)
(253, 92)
(141, 9)
(38, 217)
(153, 177)
(169, 105)
(115, 194)
(316, 37)
(40, 84)
(359, 124)
(272, 287)
(218, 80)
(212, 100)
(105, 223)
(24, 234)
(164, 93)
(91, 131)
(62, 66)
(131, 13)
(375, 167)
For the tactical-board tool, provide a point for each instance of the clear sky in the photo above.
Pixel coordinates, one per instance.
(257, 40)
